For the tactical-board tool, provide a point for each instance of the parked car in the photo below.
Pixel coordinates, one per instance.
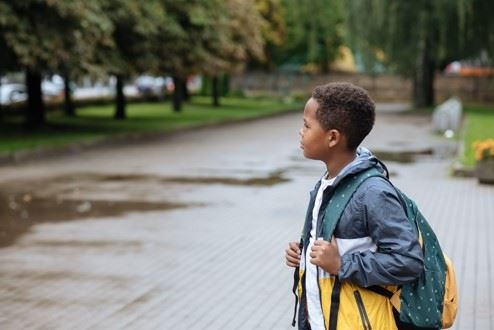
(153, 86)
(12, 93)
(468, 69)
(52, 90)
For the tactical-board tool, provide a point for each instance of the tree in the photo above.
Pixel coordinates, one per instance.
(203, 36)
(180, 41)
(135, 25)
(32, 32)
(273, 28)
(314, 33)
(241, 39)
(7, 61)
(95, 30)
(442, 31)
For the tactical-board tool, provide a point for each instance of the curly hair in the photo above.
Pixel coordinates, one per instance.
(347, 108)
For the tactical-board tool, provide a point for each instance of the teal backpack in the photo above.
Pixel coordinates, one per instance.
(431, 300)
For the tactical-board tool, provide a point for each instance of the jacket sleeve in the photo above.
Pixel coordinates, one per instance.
(398, 257)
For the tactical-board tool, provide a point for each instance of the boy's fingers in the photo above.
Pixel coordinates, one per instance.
(317, 248)
(291, 264)
(320, 242)
(292, 253)
(314, 261)
(292, 259)
(294, 246)
(314, 254)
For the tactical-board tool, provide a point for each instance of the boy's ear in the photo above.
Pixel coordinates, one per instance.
(334, 137)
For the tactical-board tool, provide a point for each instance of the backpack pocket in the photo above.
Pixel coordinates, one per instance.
(450, 305)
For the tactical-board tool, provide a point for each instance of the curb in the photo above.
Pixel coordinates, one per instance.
(458, 169)
(461, 171)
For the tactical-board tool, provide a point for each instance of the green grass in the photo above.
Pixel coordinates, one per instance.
(97, 123)
(479, 125)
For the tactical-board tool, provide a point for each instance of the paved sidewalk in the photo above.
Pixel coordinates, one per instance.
(217, 264)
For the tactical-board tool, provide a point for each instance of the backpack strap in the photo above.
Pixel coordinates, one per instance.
(344, 191)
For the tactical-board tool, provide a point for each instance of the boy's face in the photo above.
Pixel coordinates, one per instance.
(313, 137)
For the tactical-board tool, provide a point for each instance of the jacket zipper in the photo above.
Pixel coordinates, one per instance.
(363, 313)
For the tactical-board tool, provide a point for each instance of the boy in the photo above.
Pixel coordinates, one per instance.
(373, 243)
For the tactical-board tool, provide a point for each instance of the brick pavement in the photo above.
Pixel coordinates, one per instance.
(220, 266)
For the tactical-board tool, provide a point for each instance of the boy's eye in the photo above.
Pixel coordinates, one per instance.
(306, 126)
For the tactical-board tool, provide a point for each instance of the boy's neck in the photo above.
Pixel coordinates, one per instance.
(336, 164)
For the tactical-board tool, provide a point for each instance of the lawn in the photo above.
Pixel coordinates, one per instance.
(479, 125)
(96, 122)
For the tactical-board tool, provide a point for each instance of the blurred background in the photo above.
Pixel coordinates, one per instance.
(67, 56)
(134, 164)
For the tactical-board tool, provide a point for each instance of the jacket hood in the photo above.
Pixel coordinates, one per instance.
(364, 160)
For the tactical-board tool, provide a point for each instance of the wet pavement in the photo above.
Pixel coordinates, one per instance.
(189, 231)
(80, 196)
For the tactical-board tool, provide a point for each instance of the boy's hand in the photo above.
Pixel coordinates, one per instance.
(292, 254)
(325, 255)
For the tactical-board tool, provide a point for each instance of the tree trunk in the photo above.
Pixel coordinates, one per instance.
(1, 111)
(423, 87)
(325, 61)
(206, 86)
(423, 82)
(35, 112)
(177, 94)
(120, 100)
(185, 90)
(69, 107)
(225, 85)
(215, 91)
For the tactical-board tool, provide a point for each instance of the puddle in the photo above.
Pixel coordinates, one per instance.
(392, 155)
(271, 180)
(401, 156)
(84, 196)
(268, 181)
(98, 244)
(54, 275)
(19, 211)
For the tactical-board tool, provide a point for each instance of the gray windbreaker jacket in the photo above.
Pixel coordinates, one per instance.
(377, 243)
